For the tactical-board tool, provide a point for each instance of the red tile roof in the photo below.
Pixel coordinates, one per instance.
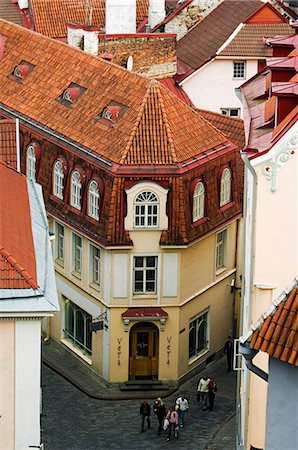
(17, 256)
(249, 40)
(51, 16)
(10, 11)
(232, 127)
(200, 45)
(156, 127)
(8, 142)
(278, 334)
(174, 87)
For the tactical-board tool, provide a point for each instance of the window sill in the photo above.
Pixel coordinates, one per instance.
(94, 286)
(59, 262)
(74, 349)
(74, 210)
(200, 221)
(145, 296)
(220, 271)
(197, 357)
(56, 199)
(76, 274)
(226, 206)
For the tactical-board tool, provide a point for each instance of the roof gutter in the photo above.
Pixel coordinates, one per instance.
(249, 353)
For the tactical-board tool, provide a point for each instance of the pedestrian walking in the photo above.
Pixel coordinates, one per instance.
(212, 389)
(228, 349)
(172, 417)
(182, 404)
(145, 411)
(160, 410)
(202, 392)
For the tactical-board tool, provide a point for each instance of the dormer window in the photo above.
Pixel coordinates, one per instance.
(76, 190)
(21, 71)
(198, 210)
(58, 181)
(146, 210)
(71, 95)
(33, 155)
(93, 200)
(225, 187)
(111, 114)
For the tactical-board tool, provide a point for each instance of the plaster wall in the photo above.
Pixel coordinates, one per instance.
(282, 398)
(120, 16)
(213, 86)
(27, 383)
(7, 383)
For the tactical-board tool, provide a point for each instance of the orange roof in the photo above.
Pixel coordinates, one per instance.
(17, 257)
(8, 142)
(269, 108)
(232, 127)
(153, 118)
(51, 16)
(278, 335)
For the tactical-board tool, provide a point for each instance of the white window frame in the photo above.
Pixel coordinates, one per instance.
(76, 190)
(77, 253)
(58, 180)
(31, 163)
(72, 336)
(221, 250)
(95, 264)
(60, 241)
(146, 210)
(145, 269)
(93, 200)
(225, 186)
(196, 322)
(198, 210)
(239, 70)
(228, 112)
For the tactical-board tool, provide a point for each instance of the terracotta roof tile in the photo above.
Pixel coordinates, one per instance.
(51, 16)
(280, 339)
(155, 128)
(249, 40)
(199, 45)
(8, 142)
(17, 256)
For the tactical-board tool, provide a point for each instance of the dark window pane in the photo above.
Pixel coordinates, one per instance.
(150, 261)
(138, 261)
(142, 344)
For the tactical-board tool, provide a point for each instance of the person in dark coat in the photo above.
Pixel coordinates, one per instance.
(160, 411)
(212, 388)
(228, 349)
(145, 411)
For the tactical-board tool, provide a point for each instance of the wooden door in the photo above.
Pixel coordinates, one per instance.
(143, 352)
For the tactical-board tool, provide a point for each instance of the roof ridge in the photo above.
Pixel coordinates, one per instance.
(14, 263)
(136, 124)
(159, 87)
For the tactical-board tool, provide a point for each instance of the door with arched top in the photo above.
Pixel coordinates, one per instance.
(143, 351)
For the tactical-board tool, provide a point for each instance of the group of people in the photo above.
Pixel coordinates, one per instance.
(206, 390)
(168, 420)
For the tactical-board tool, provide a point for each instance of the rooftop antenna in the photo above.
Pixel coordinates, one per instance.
(88, 12)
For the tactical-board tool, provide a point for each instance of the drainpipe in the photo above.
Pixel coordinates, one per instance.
(246, 306)
(249, 354)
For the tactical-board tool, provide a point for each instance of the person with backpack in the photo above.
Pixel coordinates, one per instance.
(212, 389)
(160, 410)
(172, 417)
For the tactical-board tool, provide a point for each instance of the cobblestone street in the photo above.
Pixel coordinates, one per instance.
(71, 420)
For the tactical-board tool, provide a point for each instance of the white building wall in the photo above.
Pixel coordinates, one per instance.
(213, 86)
(120, 16)
(27, 383)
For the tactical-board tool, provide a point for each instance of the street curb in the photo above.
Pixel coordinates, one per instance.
(219, 430)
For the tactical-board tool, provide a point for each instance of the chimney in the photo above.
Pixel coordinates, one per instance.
(157, 12)
(23, 4)
(75, 35)
(91, 39)
(121, 17)
(84, 37)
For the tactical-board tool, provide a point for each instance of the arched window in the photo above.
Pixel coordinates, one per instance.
(93, 200)
(31, 163)
(198, 209)
(58, 180)
(76, 190)
(225, 187)
(146, 210)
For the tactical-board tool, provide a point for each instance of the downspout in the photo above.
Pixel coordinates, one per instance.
(247, 284)
(249, 354)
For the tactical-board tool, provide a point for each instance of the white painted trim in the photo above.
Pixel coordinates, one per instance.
(158, 278)
(230, 38)
(76, 350)
(266, 286)
(195, 72)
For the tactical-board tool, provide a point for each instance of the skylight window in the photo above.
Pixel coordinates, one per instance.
(111, 114)
(71, 95)
(21, 71)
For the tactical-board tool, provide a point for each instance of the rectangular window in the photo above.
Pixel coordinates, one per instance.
(59, 241)
(77, 327)
(94, 264)
(145, 274)
(77, 253)
(232, 112)
(221, 244)
(198, 335)
(239, 69)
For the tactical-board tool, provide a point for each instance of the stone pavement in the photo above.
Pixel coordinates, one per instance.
(71, 420)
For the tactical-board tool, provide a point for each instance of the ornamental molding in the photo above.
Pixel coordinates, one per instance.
(272, 167)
